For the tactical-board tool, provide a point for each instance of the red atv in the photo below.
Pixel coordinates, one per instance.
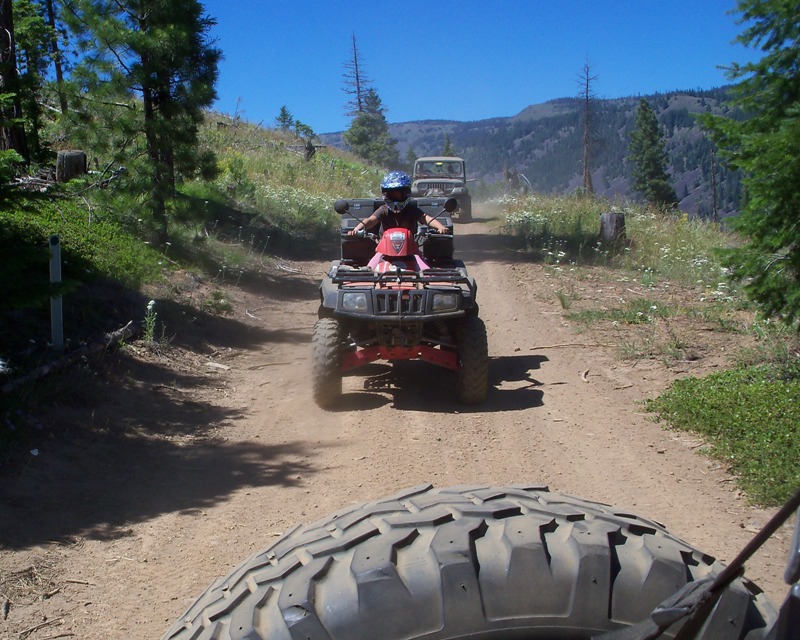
(398, 297)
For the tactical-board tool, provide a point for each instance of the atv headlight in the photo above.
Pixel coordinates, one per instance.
(354, 301)
(445, 302)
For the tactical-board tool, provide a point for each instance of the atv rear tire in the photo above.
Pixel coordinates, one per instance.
(473, 361)
(466, 562)
(326, 360)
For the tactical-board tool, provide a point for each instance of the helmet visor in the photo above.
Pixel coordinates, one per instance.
(395, 195)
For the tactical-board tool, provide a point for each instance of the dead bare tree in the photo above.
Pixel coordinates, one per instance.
(587, 96)
(356, 83)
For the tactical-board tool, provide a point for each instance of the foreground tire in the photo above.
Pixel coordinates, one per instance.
(473, 361)
(326, 362)
(478, 562)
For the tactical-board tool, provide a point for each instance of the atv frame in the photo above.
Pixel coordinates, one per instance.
(405, 313)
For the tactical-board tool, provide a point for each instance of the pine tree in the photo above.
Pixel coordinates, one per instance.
(368, 135)
(448, 150)
(765, 148)
(647, 154)
(285, 120)
(410, 159)
(12, 131)
(55, 52)
(34, 39)
(302, 130)
(159, 51)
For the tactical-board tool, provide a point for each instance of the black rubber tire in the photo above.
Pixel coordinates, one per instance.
(326, 362)
(466, 562)
(473, 361)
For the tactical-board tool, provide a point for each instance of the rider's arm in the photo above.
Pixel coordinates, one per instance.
(433, 222)
(364, 224)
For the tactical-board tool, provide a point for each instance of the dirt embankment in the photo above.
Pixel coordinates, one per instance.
(165, 470)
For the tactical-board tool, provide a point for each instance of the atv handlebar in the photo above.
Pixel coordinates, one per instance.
(361, 233)
(342, 207)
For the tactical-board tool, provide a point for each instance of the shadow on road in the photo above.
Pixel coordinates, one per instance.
(130, 441)
(98, 486)
(421, 386)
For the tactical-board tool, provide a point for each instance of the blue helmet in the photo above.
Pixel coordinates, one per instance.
(396, 190)
(395, 180)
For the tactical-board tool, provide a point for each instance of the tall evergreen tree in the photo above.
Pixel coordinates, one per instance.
(34, 40)
(159, 52)
(12, 131)
(55, 52)
(284, 120)
(765, 148)
(368, 135)
(448, 150)
(410, 159)
(649, 158)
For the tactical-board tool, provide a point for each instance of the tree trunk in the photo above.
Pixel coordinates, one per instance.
(51, 19)
(70, 164)
(612, 227)
(158, 174)
(13, 133)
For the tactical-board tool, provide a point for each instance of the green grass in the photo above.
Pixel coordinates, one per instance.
(749, 415)
(637, 311)
(751, 418)
(658, 246)
(91, 248)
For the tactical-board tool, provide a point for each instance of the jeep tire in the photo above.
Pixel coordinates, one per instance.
(467, 562)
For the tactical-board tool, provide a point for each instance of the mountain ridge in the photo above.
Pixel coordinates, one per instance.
(544, 142)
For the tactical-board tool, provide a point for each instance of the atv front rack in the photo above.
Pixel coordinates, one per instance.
(434, 275)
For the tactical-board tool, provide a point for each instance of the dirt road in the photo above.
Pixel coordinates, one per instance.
(161, 472)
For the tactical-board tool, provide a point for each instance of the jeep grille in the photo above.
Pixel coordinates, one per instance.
(438, 186)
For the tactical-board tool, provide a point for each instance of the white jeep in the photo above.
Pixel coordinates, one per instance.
(442, 176)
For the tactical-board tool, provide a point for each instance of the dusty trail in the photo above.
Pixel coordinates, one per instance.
(188, 471)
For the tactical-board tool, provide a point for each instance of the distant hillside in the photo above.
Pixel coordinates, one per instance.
(545, 143)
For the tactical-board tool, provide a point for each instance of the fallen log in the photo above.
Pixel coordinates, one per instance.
(108, 341)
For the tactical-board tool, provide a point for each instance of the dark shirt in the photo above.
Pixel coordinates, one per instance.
(406, 218)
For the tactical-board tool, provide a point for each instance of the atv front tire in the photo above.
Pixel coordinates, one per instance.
(473, 361)
(326, 362)
(466, 562)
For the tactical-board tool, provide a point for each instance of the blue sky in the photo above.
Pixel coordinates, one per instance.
(463, 60)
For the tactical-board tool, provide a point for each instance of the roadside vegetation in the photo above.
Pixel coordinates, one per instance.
(750, 414)
(265, 200)
(175, 188)
(268, 199)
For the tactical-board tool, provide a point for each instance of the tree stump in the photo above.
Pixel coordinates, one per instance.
(612, 227)
(69, 165)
